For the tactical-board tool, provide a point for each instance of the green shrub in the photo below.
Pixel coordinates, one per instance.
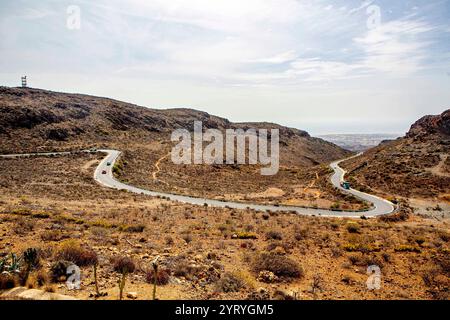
(117, 168)
(246, 235)
(103, 224)
(41, 215)
(335, 206)
(132, 228)
(406, 248)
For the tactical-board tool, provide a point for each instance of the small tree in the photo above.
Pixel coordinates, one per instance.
(124, 266)
(92, 260)
(155, 270)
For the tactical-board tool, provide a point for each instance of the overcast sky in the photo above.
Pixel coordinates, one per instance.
(322, 66)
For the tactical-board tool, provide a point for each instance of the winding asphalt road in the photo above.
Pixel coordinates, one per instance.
(380, 206)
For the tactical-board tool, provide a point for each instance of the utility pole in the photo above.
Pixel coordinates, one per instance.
(24, 81)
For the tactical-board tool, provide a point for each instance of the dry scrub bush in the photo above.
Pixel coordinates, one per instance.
(8, 281)
(353, 227)
(183, 269)
(300, 233)
(23, 226)
(162, 277)
(274, 235)
(51, 235)
(280, 265)
(58, 270)
(72, 251)
(230, 282)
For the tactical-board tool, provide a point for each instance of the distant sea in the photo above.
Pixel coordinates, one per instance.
(358, 142)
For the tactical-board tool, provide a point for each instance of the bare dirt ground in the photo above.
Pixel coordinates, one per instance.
(151, 168)
(208, 253)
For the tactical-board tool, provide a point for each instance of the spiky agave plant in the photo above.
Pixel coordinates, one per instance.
(15, 264)
(124, 266)
(31, 259)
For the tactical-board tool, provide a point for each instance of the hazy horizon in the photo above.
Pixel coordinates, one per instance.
(317, 65)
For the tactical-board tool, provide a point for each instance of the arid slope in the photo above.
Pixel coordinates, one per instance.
(416, 165)
(37, 120)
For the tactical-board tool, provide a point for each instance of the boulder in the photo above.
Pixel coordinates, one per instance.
(34, 294)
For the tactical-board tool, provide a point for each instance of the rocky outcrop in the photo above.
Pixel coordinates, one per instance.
(430, 125)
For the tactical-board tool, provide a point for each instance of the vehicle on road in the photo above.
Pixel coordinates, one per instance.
(108, 163)
(345, 185)
(104, 172)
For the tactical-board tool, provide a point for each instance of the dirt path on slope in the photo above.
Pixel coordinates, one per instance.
(438, 170)
(158, 169)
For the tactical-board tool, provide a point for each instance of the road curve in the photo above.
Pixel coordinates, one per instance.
(380, 206)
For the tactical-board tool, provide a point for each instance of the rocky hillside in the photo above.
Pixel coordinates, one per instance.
(417, 165)
(430, 126)
(38, 120)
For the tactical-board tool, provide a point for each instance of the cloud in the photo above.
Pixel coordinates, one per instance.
(395, 47)
(218, 15)
(279, 58)
(316, 69)
(36, 13)
(363, 5)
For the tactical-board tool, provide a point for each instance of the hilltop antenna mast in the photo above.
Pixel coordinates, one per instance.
(24, 81)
